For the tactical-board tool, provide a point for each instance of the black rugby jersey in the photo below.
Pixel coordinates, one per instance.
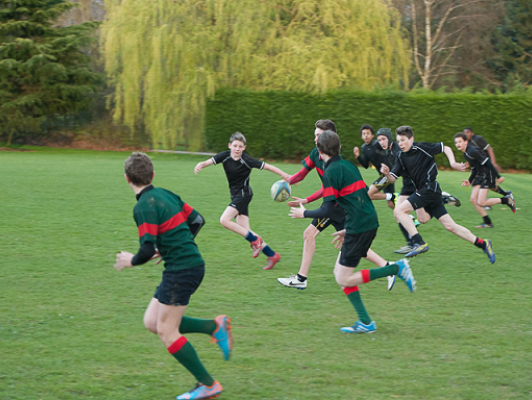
(238, 171)
(373, 153)
(481, 143)
(418, 163)
(479, 162)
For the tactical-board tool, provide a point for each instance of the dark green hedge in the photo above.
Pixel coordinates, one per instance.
(280, 125)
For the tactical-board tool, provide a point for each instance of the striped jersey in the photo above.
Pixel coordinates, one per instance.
(314, 161)
(161, 217)
(342, 182)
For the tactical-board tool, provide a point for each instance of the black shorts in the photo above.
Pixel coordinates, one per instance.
(383, 184)
(337, 219)
(430, 200)
(408, 187)
(355, 247)
(177, 286)
(486, 181)
(241, 203)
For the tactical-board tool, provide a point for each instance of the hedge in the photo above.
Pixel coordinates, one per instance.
(280, 125)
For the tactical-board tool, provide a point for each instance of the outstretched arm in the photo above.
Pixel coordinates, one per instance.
(450, 156)
(275, 170)
(492, 158)
(298, 176)
(199, 166)
(313, 197)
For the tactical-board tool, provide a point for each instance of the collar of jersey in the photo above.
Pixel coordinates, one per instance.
(146, 189)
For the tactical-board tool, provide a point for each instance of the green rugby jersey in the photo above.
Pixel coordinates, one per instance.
(314, 161)
(161, 217)
(342, 182)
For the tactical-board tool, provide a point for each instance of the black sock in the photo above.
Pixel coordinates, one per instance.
(504, 200)
(405, 234)
(301, 278)
(480, 243)
(417, 239)
(487, 220)
(500, 190)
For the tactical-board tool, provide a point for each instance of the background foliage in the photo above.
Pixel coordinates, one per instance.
(166, 58)
(281, 124)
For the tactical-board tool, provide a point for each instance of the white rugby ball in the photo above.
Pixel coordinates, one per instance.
(280, 191)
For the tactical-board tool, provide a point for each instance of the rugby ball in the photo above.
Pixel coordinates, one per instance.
(280, 191)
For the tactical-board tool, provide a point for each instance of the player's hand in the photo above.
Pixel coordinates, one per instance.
(296, 202)
(458, 166)
(385, 169)
(297, 212)
(286, 177)
(338, 240)
(198, 167)
(466, 183)
(123, 260)
(157, 255)
(356, 152)
(500, 179)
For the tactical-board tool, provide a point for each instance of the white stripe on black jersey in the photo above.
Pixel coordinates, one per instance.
(238, 171)
(418, 163)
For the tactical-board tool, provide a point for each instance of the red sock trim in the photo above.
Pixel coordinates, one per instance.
(349, 290)
(177, 345)
(365, 275)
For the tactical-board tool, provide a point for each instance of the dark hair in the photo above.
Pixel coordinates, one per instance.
(405, 130)
(329, 143)
(325, 125)
(468, 129)
(386, 132)
(461, 135)
(237, 136)
(366, 126)
(139, 169)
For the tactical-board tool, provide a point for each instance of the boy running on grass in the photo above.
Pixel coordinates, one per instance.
(417, 161)
(318, 225)
(343, 183)
(167, 226)
(483, 177)
(237, 166)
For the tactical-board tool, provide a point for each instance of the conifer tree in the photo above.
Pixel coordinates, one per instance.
(43, 70)
(166, 57)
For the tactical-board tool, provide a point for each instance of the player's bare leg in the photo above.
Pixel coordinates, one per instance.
(227, 222)
(401, 214)
(151, 315)
(458, 230)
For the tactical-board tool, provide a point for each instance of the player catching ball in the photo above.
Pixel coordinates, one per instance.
(237, 166)
(343, 183)
(167, 226)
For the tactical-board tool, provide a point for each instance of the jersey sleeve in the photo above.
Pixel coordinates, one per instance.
(397, 169)
(220, 157)
(252, 162)
(431, 148)
(478, 155)
(147, 219)
(363, 159)
(481, 142)
(308, 162)
(331, 188)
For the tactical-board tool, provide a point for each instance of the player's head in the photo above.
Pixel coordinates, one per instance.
(323, 125)
(405, 137)
(367, 133)
(329, 143)
(460, 141)
(237, 144)
(385, 137)
(469, 132)
(139, 169)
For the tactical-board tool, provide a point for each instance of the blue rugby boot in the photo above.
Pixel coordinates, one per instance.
(418, 249)
(201, 392)
(489, 251)
(359, 327)
(222, 335)
(405, 273)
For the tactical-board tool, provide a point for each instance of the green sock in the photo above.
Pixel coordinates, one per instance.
(197, 325)
(184, 352)
(356, 301)
(387, 270)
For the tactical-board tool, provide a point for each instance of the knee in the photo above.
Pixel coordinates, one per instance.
(424, 219)
(340, 280)
(150, 324)
(224, 222)
(310, 234)
(396, 214)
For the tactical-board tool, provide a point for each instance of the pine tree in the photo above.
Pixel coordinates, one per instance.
(166, 57)
(43, 69)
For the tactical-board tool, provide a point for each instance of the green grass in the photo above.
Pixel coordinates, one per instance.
(71, 326)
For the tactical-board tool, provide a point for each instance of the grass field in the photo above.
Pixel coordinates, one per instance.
(71, 326)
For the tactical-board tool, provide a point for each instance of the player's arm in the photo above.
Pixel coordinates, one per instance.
(298, 176)
(313, 197)
(195, 222)
(324, 211)
(452, 161)
(275, 170)
(125, 259)
(199, 166)
(359, 155)
(385, 170)
(492, 158)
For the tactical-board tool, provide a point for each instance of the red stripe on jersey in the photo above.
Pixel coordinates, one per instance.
(309, 162)
(349, 290)
(177, 345)
(320, 171)
(176, 220)
(352, 188)
(330, 191)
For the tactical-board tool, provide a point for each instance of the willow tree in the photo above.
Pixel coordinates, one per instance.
(166, 57)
